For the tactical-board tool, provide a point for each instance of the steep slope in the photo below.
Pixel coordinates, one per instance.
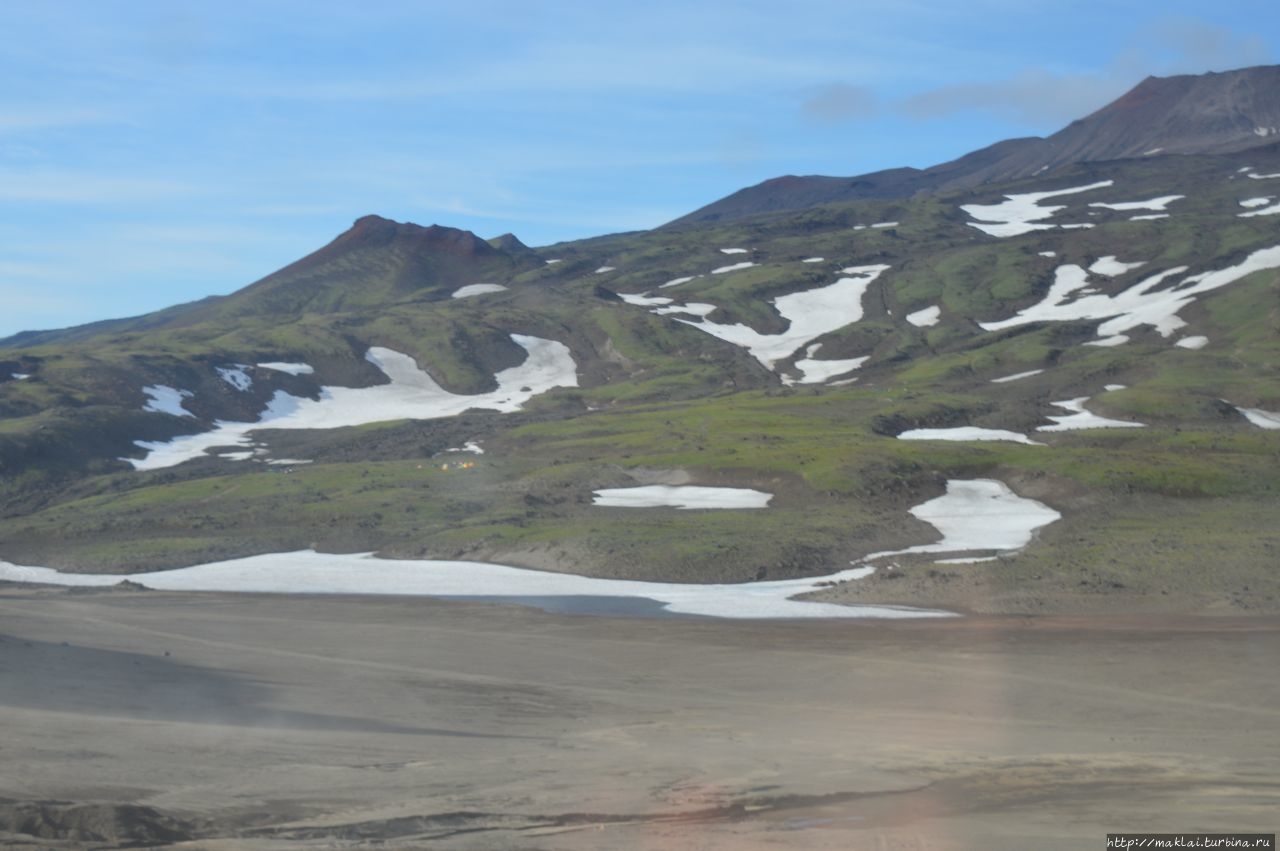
(1189, 114)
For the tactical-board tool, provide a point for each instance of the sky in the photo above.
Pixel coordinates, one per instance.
(153, 153)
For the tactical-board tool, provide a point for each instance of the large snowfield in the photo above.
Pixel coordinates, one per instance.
(980, 514)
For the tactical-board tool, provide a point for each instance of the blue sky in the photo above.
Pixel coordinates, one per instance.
(157, 152)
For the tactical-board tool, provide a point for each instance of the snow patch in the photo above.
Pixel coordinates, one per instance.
(167, 400)
(818, 371)
(1150, 302)
(1262, 419)
(746, 264)
(1113, 268)
(965, 433)
(1155, 204)
(978, 514)
(1192, 342)
(235, 376)
(733, 251)
(291, 368)
(886, 224)
(1256, 176)
(1081, 419)
(1021, 213)
(604, 269)
(641, 300)
(470, 446)
(681, 496)
(412, 394)
(1149, 217)
(1048, 254)
(675, 282)
(1256, 202)
(1016, 376)
(925, 318)
(811, 313)
(813, 260)
(19, 376)
(1263, 211)
(693, 308)
(477, 289)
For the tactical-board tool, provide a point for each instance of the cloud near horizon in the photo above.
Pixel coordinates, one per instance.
(1038, 97)
(839, 102)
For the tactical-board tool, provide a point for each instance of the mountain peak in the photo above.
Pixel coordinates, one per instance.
(1213, 113)
(374, 230)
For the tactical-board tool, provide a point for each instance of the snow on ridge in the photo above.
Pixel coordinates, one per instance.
(1016, 376)
(291, 368)
(684, 497)
(1079, 418)
(167, 400)
(477, 289)
(1155, 204)
(1021, 213)
(411, 394)
(1149, 302)
(966, 433)
(925, 318)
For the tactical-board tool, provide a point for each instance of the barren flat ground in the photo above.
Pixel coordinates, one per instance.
(219, 721)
